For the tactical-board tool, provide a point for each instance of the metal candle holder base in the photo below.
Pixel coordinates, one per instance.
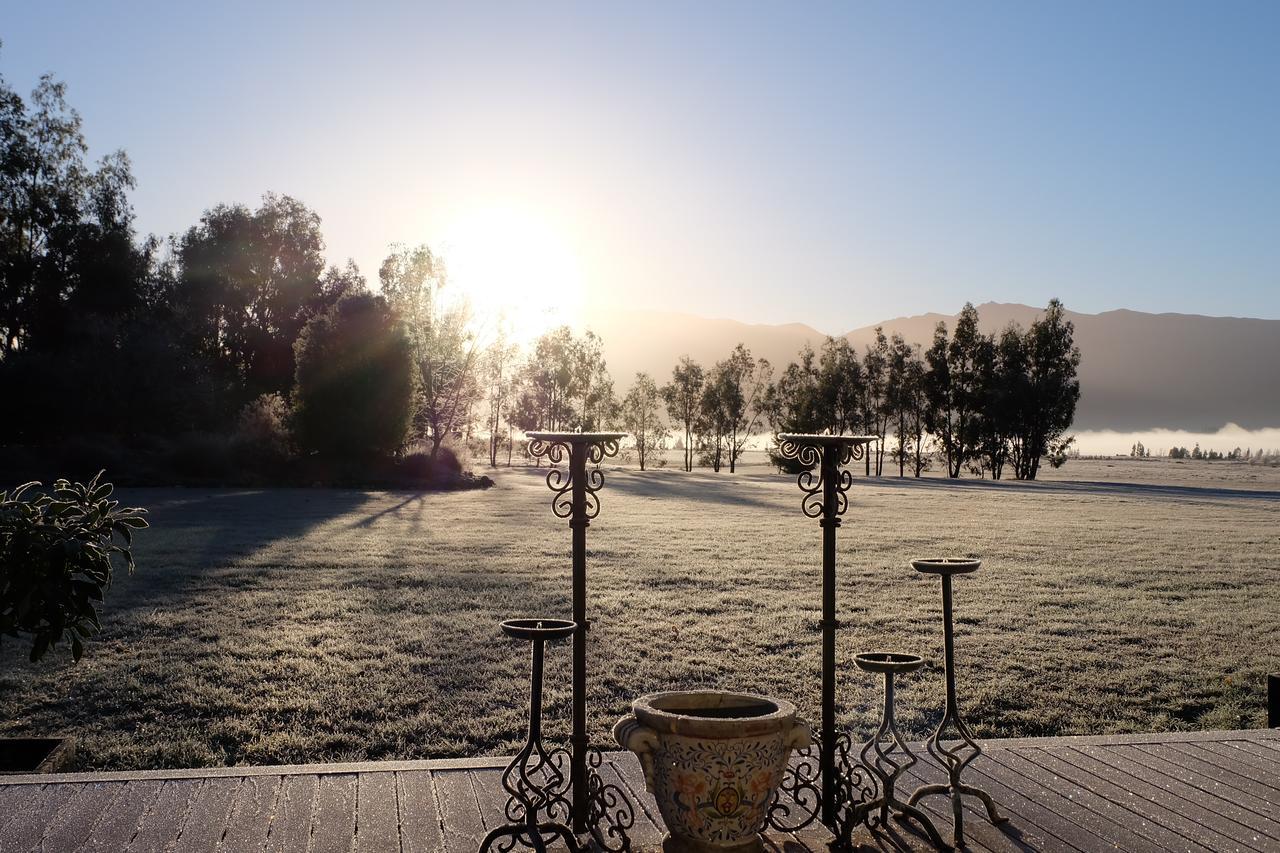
(954, 759)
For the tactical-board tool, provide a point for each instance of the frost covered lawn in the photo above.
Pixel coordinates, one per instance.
(288, 626)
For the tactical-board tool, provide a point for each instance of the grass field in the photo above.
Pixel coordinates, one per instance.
(319, 625)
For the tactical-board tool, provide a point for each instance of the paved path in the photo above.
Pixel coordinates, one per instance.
(1207, 791)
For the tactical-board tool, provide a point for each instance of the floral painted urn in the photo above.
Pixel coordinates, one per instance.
(713, 761)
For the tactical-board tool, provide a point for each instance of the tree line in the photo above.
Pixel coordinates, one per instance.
(238, 327)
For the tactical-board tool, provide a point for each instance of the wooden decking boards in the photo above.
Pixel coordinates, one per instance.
(1204, 791)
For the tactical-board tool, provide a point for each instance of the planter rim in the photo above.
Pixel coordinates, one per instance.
(662, 713)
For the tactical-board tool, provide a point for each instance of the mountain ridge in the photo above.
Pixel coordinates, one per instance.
(1139, 370)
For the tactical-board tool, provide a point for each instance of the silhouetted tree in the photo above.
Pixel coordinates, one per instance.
(640, 417)
(905, 403)
(683, 396)
(840, 387)
(355, 383)
(795, 404)
(248, 282)
(875, 400)
(1052, 391)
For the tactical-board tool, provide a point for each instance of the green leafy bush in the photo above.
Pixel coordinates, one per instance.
(56, 558)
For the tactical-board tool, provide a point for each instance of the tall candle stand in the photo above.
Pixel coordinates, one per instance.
(598, 809)
(838, 786)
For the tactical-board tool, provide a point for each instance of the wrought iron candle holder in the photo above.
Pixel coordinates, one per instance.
(535, 780)
(955, 758)
(833, 789)
(598, 808)
(886, 755)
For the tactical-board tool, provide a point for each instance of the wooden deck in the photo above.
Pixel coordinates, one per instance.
(1211, 791)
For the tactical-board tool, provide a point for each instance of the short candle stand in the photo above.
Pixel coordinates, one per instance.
(956, 758)
(598, 808)
(886, 755)
(834, 795)
(534, 779)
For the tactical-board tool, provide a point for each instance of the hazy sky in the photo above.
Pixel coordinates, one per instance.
(792, 162)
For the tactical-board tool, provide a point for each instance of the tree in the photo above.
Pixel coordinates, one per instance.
(905, 402)
(840, 387)
(640, 417)
(445, 350)
(714, 417)
(875, 401)
(683, 396)
(794, 404)
(746, 382)
(355, 382)
(565, 384)
(1052, 390)
(249, 280)
(498, 372)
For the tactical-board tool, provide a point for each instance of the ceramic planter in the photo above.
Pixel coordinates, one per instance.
(713, 761)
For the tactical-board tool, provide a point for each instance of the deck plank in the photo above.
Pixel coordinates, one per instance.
(1252, 756)
(1208, 790)
(119, 823)
(1265, 799)
(207, 820)
(420, 828)
(1227, 760)
(291, 822)
(23, 834)
(14, 800)
(1076, 805)
(1245, 810)
(333, 827)
(250, 820)
(159, 827)
(76, 819)
(377, 814)
(459, 811)
(1135, 795)
(1195, 809)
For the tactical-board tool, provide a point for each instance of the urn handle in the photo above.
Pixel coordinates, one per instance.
(634, 736)
(800, 736)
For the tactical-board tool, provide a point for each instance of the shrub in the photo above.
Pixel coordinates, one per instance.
(355, 386)
(262, 438)
(417, 467)
(56, 560)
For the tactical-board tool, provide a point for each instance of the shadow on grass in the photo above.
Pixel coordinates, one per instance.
(703, 486)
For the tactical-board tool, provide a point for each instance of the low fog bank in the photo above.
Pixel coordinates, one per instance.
(1158, 441)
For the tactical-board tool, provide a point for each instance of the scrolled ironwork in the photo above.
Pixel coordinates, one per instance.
(798, 800)
(610, 814)
(561, 480)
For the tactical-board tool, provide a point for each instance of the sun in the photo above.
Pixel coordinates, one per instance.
(516, 269)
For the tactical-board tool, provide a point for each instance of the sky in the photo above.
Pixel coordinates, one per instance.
(833, 165)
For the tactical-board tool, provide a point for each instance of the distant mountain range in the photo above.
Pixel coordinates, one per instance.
(1138, 371)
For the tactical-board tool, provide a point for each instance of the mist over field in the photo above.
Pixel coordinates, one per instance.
(1114, 442)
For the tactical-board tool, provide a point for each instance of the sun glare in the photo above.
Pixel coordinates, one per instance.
(516, 268)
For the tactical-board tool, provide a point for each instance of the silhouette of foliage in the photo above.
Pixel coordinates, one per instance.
(355, 381)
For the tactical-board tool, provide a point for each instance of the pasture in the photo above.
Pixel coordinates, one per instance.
(292, 626)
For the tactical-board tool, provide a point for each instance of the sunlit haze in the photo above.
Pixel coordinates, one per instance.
(829, 164)
(516, 266)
